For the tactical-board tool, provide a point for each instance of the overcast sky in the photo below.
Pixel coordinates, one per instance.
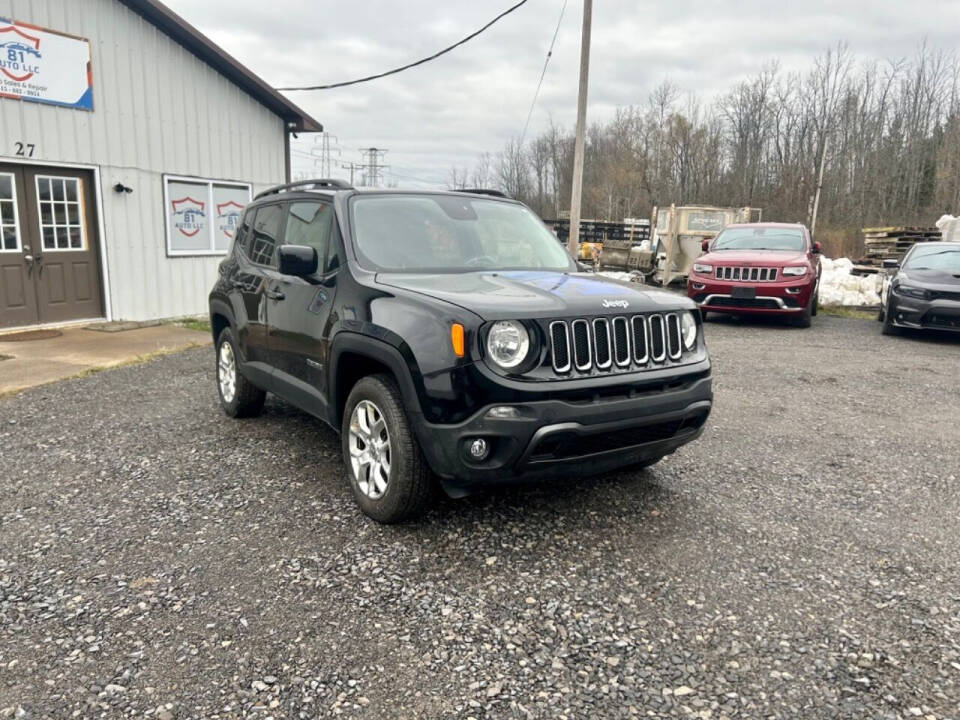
(477, 97)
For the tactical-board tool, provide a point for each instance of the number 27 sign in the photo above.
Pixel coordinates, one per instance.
(45, 66)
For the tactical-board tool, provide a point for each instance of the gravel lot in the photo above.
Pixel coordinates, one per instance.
(800, 561)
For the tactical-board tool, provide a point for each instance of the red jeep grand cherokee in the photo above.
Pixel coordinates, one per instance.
(758, 268)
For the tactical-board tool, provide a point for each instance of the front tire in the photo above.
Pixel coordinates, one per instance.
(888, 327)
(386, 470)
(238, 396)
(804, 319)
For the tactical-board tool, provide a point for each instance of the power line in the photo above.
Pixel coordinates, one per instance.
(410, 65)
(414, 177)
(543, 73)
(352, 167)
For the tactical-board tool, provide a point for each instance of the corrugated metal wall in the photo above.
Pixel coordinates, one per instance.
(157, 109)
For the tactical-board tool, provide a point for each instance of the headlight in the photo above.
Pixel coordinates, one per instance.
(702, 268)
(688, 329)
(508, 343)
(796, 270)
(910, 291)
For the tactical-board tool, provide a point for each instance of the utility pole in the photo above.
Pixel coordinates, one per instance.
(352, 166)
(573, 242)
(816, 197)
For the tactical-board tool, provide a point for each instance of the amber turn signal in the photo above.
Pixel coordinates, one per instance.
(456, 339)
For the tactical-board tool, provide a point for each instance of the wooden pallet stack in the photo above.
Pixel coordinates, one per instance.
(890, 242)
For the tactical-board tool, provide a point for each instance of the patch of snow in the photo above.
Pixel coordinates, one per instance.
(949, 227)
(839, 287)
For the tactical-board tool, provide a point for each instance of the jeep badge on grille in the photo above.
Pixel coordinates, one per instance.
(615, 303)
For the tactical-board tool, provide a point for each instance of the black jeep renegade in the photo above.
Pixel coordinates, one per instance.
(449, 334)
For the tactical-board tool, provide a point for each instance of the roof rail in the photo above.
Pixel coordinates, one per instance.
(484, 191)
(328, 183)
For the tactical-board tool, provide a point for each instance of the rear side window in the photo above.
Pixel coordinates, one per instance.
(266, 234)
(242, 238)
(309, 223)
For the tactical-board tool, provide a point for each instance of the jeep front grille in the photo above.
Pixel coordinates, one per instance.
(746, 274)
(621, 342)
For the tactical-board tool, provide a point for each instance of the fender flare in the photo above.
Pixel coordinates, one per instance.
(221, 307)
(380, 351)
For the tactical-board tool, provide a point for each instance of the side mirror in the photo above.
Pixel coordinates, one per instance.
(705, 246)
(297, 260)
(890, 263)
(817, 248)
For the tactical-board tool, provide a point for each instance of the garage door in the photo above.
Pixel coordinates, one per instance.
(49, 249)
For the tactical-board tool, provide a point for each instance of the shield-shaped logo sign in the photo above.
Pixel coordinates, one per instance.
(188, 216)
(19, 53)
(228, 217)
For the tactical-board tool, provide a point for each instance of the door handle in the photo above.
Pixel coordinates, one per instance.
(275, 294)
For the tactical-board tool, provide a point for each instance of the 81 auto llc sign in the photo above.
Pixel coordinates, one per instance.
(39, 65)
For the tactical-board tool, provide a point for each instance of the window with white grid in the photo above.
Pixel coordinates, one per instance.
(9, 227)
(61, 212)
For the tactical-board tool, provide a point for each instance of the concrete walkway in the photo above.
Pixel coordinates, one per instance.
(77, 350)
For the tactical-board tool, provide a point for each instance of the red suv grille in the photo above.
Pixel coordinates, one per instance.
(746, 274)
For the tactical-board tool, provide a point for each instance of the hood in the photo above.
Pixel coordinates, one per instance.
(754, 258)
(942, 280)
(526, 294)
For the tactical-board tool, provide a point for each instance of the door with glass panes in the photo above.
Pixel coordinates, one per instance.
(49, 249)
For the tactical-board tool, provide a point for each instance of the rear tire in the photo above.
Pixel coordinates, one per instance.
(239, 397)
(386, 470)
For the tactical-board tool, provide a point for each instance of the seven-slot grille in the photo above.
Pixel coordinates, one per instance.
(619, 342)
(746, 274)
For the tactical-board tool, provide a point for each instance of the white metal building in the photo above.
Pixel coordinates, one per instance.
(128, 142)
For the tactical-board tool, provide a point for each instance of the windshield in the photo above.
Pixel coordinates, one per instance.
(760, 238)
(449, 233)
(933, 257)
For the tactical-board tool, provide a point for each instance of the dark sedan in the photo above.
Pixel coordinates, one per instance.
(924, 291)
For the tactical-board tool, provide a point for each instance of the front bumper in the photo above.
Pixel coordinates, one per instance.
(557, 436)
(918, 314)
(776, 298)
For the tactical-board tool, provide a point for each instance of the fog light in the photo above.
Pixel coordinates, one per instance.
(479, 449)
(698, 286)
(794, 291)
(503, 412)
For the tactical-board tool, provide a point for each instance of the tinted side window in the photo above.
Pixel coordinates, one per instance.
(309, 224)
(266, 234)
(242, 238)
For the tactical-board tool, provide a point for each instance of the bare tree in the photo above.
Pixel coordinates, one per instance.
(893, 158)
(457, 179)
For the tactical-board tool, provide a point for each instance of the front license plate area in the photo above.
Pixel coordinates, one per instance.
(743, 293)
